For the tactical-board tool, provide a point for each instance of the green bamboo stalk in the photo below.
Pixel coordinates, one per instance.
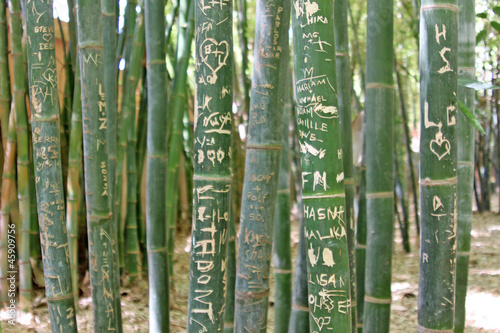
(133, 261)
(48, 167)
(102, 233)
(212, 164)
(361, 244)
(35, 248)
(242, 30)
(7, 237)
(408, 151)
(123, 52)
(379, 165)
(438, 164)
(141, 161)
(156, 167)
(75, 169)
(177, 103)
(4, 75)
(262, 165)
(465, 156)
(282, 254)
(19, 106)
(344, 84)
(299, 316)
(322, 167)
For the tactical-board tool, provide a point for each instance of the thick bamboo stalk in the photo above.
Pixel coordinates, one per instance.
(379, 165)
(299, 316)
(133, 261)
(7, 237)
(156, 167)
(465, 156)
(48, 167)
(322, 167)
(344, 84)
(101, 229)
(282, 253)
(4, 75)
(438, 164)
(75, 169)
(19, 106)
(262, 165)
(212, 165)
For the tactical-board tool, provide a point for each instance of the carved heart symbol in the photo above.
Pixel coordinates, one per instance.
(47, 37)
(214, 56)
(439, 146)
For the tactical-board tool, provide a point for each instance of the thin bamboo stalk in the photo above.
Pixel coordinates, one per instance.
(75, 170)
(4, 75)
(19, 106)
(438, 164)
(361, 244)
(7, 237)
(344, 86)
(282, 253)
(133, 261)
(48, 166)
(299, 316)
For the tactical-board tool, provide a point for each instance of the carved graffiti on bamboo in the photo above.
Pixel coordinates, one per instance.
(444, 50)
(440, 146)
(213, 55)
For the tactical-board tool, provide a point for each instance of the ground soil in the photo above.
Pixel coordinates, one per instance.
(483, 300)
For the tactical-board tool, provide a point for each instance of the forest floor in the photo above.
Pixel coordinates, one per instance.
(483, 300)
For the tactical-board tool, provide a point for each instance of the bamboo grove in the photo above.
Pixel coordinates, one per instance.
(272, 140)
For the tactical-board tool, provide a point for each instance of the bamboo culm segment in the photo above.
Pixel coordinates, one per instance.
(48, 167)
(133, 261)
(322, 167)
(102, 234)
(212, 165)
(4, 74)
(19, 107)
(344, 85)
(156, 167)
(379, 144)
(73, 185)
(282, 252)
(262, 165)
(361, 247)
(465, 156)
(438, 164)
(299, 316)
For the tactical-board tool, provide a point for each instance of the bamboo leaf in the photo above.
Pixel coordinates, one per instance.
(476, 85)
(482, 15)
(496, 10)
(495, 25)
(470, 116)
(480, 36)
